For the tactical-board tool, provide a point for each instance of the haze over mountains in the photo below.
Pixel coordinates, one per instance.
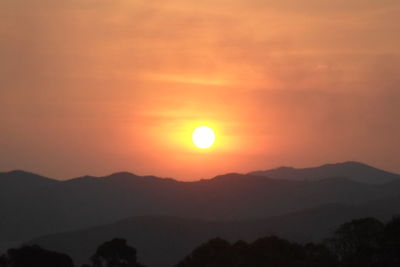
(161, 211)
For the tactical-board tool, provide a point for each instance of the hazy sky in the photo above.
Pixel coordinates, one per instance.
(99, 86)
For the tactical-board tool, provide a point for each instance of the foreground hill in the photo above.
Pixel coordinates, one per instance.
(90, 201)
(353, 170)
(163, 241)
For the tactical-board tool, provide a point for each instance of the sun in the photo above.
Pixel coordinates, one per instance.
(203, 137)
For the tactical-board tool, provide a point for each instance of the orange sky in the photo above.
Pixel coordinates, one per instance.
(98, 86)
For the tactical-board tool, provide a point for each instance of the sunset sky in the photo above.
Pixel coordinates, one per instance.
(100, 86)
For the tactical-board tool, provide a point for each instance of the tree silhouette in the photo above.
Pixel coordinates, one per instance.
(215, 252)
(358, 243)
(391, 243)
(273, 251)
(265, 252)
(240, 253)
(34, 256)
(320, 255)
(3, 261)
(115, 253)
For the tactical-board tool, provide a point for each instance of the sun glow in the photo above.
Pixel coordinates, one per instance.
(203, 137)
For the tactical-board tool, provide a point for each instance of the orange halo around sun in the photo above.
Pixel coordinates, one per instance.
(203, 137)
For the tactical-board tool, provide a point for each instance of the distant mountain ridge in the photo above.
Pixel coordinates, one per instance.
(355, 171)
(352, 170)
(17, 181)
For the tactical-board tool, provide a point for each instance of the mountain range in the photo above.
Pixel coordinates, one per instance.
(166, 218)
(353, 170)
(162, 241)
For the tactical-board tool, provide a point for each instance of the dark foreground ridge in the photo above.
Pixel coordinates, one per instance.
(363, 242)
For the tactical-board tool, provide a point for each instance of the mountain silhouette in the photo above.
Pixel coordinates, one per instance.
(17, 182)
(355, 171)
(163, 241)
(44, 206)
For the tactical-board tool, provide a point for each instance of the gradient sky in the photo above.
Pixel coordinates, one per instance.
(99, 86)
